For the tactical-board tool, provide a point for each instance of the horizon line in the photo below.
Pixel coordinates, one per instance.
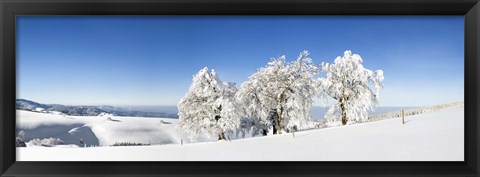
(125, 105)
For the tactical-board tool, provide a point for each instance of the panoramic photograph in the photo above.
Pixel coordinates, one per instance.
(240, 88)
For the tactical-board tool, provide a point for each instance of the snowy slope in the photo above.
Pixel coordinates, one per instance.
(98, 131)
(435, 136)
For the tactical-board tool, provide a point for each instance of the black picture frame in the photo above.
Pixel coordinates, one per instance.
(11, 8)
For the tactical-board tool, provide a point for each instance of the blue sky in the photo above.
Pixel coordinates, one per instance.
(150, 60)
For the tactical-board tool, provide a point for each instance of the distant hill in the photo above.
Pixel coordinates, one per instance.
(28, 105)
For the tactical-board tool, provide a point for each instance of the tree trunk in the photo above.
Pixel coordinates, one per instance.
(275, 128)
(344, 114)
(280, 117)
(264, 132)
(280, 126)
(221, 136)
(274, 120)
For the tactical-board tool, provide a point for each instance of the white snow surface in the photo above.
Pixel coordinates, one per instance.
(437, 136)
(98, 131)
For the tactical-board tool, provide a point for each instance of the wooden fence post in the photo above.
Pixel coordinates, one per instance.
(403, 117)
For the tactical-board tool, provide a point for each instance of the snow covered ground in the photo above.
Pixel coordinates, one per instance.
(437, 136)
(98, 130)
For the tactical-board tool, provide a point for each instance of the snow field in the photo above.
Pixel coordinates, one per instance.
(97, 130)
(437, 136)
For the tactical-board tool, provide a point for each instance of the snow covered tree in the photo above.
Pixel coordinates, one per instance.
(19, 139)
(209, 107)
(280, 95)
(350, 84)
(229, 115)
(254, 110)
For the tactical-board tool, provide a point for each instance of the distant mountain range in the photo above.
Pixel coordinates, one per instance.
(23, 104)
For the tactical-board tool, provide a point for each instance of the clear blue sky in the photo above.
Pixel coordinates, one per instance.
(150, 60)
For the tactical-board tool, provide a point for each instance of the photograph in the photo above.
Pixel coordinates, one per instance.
(240, 88)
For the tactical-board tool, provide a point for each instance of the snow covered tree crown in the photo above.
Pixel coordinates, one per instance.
(349, 82)
(209, 107)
